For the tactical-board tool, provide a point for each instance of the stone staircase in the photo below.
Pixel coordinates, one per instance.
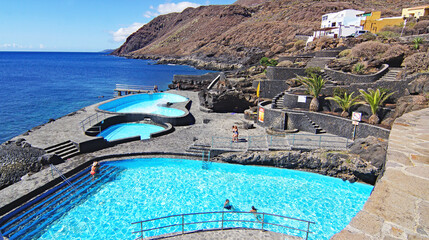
(317, 128)
(65, 149)
(320, 62)
(390, 75)
(278, 101)
(30, 221)
(198, 148)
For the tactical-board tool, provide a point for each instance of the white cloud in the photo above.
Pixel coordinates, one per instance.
(41, 46)
(169, 8)
(11, 45)
(122, 33)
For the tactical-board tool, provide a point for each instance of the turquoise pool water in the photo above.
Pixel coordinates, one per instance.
(146, 103)
(155, 187)
(126, 130)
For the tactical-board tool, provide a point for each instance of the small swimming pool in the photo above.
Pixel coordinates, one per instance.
(126, 130)
(156, 187)
(154, 103)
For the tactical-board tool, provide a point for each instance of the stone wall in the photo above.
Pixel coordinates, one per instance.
(270, 88)
(336, 125)
(284, 73)
(348, 78)
(290, 101)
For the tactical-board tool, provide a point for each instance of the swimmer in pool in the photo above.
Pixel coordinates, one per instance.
(254, 211)
(228, 205)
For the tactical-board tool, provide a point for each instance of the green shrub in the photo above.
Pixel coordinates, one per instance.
(358, 68)
(313, 70)
(386, 35)
(417, 41)
(300, 44)
(344, 53)
(339, 91)
(368, 36)
(268, 62)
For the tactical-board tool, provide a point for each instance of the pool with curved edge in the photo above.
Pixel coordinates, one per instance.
(155, 187)
(125, 130)
(153, 103)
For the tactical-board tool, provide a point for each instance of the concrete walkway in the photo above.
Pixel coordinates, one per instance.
(398, 208)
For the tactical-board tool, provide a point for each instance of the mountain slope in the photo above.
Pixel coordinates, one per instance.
(236, 33)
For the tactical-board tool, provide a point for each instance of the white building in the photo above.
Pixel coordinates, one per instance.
(340, 24)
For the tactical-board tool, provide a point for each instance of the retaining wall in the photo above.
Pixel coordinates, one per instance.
(349, 78)
(270, 88)
(284, 73)
(290, 101)
(332, 124)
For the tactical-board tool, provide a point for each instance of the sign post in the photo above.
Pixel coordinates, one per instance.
(356, 118)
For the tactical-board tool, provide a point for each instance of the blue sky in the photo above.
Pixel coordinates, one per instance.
(79, 25)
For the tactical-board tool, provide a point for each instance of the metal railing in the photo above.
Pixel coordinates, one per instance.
(286, 142)
(53, 168)
(205, 159)
(125, 87)
(261, 220)
(93, 119)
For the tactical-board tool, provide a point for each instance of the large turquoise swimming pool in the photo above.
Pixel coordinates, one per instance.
(154, 103)
(155, 187)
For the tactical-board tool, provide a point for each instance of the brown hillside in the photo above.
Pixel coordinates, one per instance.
(240, 34)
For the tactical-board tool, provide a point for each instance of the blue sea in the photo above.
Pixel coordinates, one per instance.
(38, 86)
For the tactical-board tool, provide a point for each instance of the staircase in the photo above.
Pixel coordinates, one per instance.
(329, 80)
(317, 128)
(198, 148)
(278, 101)
(390, 75)
(30, 221)
(65, 149)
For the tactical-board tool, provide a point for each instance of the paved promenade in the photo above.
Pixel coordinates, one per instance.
(398, 208)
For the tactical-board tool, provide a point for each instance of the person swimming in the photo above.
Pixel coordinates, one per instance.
(228, 205)
(254, 211)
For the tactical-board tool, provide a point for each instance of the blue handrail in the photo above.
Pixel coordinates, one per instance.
(261, 221)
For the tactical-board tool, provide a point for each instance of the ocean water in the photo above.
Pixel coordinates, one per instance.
(38, 86)
(157, 187)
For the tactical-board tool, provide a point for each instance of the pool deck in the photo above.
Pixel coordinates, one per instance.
(397, 209)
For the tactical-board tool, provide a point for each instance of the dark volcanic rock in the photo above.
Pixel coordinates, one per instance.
(371, 149)
(346, 166)
(17, 159)
(226, 101)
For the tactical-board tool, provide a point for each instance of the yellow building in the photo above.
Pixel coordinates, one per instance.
(416, 12)
(374, 23)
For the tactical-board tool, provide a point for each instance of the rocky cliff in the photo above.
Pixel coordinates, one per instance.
(240, 33)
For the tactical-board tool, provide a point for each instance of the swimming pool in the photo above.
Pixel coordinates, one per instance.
(156, 187)
(154, 103)
(125, 130)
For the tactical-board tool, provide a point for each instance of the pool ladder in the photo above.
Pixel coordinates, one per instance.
(205, 159)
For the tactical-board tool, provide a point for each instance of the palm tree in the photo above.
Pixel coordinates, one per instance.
(374, 99)
(345, 102)
(314, 85)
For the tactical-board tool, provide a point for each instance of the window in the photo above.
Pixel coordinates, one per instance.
(333, 24)
(324, 18)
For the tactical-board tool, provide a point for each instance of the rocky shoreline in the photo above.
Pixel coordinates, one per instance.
(18, 158)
